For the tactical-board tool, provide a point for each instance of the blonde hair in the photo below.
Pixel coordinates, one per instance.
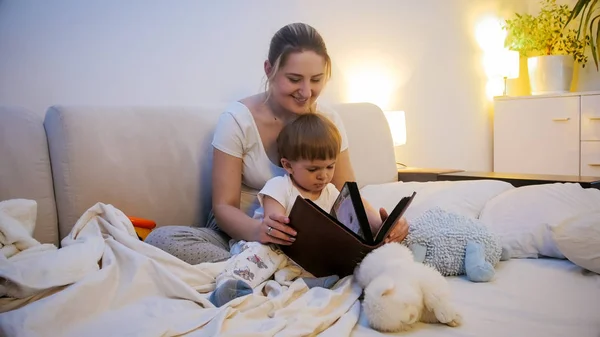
(294, 38)
(311, 136)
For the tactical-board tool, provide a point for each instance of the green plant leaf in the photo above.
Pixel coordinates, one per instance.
(596, 51)
(594, 44)
(580, 21)
(589, 12)
(577, 9)
(579, 6)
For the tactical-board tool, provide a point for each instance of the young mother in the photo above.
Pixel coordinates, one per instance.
(245, 153)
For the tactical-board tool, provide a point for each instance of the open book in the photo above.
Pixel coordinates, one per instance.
(333, 242)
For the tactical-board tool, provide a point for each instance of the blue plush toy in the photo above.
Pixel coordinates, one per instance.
(455, 245)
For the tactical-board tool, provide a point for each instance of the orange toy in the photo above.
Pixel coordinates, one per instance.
(142, 226)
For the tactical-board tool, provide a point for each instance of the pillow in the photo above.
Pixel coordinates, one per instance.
(523, 217)
(462, 197)
(578, 238)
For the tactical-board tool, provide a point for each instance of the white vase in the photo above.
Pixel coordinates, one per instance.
(550, 74)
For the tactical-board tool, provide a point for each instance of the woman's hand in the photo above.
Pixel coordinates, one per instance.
(399, 228)
(274, 229)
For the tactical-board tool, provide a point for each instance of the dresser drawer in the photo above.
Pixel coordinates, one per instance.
(590, 117)
(537, 136)
(590, 159)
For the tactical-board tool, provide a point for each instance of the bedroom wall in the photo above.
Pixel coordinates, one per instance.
(421, 56)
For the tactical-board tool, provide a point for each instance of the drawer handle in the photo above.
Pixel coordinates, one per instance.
(595, 118)
(594, 164)
(561, 119)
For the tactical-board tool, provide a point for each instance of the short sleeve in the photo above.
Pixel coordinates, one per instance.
(276, 188)
(337, 120)
(228, 136)
(333, 193)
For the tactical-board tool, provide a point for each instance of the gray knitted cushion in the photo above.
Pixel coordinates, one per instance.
(445, 235)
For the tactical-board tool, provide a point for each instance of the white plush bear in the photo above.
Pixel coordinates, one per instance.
(399, 292)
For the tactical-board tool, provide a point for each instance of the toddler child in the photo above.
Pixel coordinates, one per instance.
(308, 148)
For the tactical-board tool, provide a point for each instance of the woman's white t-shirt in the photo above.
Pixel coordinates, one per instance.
(237, 135)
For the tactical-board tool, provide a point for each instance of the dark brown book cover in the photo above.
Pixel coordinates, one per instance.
(326, 247)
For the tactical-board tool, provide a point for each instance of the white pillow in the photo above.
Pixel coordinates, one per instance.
(523, 217)
(578, 238)
(461, 197)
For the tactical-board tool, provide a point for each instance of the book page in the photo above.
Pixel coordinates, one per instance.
(343, 210)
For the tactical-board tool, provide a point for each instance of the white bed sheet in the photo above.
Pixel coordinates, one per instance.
(528, 297)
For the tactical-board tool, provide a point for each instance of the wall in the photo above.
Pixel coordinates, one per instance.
(197, 52)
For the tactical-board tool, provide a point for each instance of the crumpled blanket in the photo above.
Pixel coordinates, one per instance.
(104, 281)
(17, 222)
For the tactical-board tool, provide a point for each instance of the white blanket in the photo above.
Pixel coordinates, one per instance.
(103, 281)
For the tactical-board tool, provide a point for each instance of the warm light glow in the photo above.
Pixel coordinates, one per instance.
(489, 34)
(397, 122)
(375, 76)
(494, 87)
(498, 62)
(510, 64)
(501, 63)
(371, 84)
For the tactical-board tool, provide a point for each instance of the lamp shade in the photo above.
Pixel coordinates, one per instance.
(397, 122)
(510, 64)
(502, 63)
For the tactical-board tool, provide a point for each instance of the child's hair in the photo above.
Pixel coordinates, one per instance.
(310, 136)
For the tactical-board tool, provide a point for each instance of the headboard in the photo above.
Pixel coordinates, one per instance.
(370, 143)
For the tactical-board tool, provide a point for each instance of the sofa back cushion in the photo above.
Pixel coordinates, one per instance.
(25, 167)
(149, 162)
(155, 162)
(370, 143)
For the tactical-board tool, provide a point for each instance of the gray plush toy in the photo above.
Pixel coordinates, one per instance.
(455, 245)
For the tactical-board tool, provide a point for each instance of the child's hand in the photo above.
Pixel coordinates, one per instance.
(399, 228)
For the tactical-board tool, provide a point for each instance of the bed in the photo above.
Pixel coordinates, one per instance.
(102, 280)
(543, 297)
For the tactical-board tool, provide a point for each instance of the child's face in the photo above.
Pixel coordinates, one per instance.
(312, 175)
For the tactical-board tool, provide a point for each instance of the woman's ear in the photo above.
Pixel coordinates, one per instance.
(268, 68)
(287, 165)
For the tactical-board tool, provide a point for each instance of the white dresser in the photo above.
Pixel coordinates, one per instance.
(549, 134)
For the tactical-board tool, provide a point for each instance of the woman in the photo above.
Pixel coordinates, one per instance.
(297, 68)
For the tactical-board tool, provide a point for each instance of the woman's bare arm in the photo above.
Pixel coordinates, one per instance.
(226, 190)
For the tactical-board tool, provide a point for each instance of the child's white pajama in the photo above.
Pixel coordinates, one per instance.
(255, 264)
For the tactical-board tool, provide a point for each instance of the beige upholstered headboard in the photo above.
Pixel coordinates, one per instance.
(152, 162)
(370, 143)
(25, 167)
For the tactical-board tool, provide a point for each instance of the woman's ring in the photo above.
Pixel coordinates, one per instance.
(269, 230)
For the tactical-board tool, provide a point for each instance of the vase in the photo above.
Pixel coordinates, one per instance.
(550, 74)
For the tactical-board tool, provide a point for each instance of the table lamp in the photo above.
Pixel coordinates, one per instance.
(509, 65)
(397, 123)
